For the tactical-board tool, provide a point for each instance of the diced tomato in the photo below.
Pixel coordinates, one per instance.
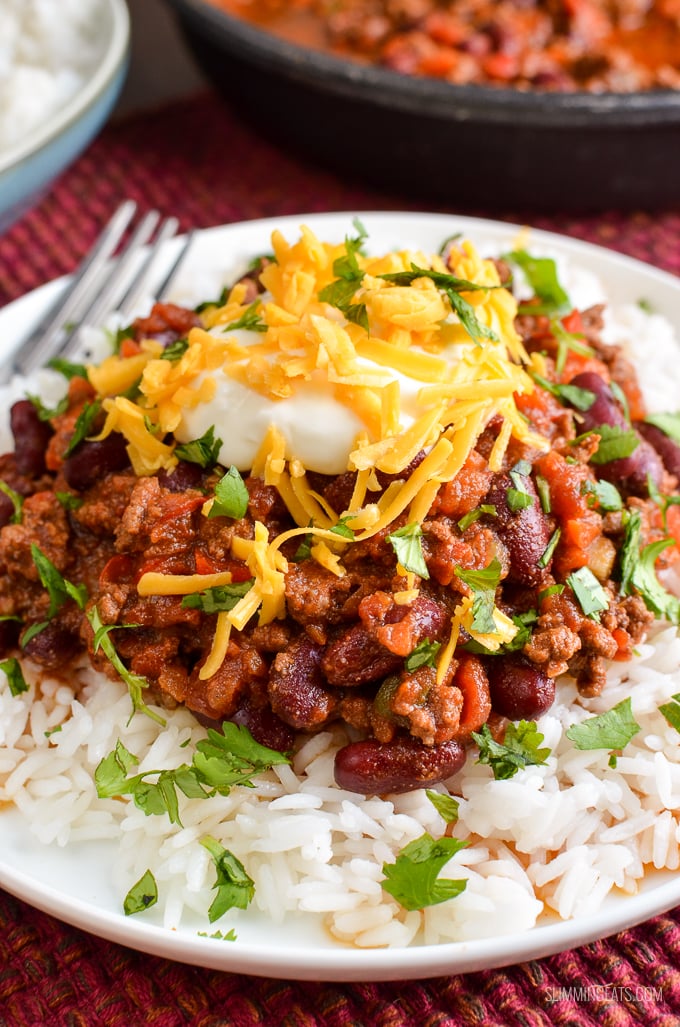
(129, 348)
(471, 679)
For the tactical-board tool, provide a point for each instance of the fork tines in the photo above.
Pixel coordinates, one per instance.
(101, 286)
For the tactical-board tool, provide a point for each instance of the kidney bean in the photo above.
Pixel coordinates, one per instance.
(389, 632)
(54, 646)
(182, 477)
(374, 768)
(90, 461)
(356, 658)
(525, 533)
(519, 689)
(630, 473)
(297, 689)
(31, 436)
(668, 450)
(265, 727)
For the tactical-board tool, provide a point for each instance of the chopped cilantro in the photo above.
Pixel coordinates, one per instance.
(219, 935)
(590, 594)
(543, 489)
(142, 895)
(424, 655)
(671, 711)
(58, 588)
(413, 879)
(566, 342)
(15, 676)
(249, 321)
(615, 443)
(604, 494)
(638, 571)
(175, 350)
(222, 298)
(541, 276)
(16, 499)
(611, 730)
(483, 584)
(84, 424)
(669, 424)
(520, 748)
(69, 500)
(452, 287)
(547, 554)
(220, 761)
(349, 277)
(135, 682)
(408, 549)
(474, 515)
(577, 397)
(235, 889)
(219, 598)
(343, 529)
(47, 413)
(518, 497)
(204, 451)
(445, 805)
(304, 550)
(231, 496)
(67, 368)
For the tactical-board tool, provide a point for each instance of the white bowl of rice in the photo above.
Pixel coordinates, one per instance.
(62, 66)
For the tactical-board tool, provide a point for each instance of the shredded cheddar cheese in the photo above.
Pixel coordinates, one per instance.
(419, 375)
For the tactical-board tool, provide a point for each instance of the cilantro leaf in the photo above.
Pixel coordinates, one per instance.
(135, 682)
(669, 424)
(413, 879)
(58, 588)
(424, 655)
(671, 711)
(349, 277)
(408, 549)
(249, 321)
(175, 350)
(452, 287)
(45, 413)
(590, 594)
(604, 494)
(142, 895)
(219, 762)
(541, 276)
(15, 676)
(67, 368)
(84, 424)
(219, 598)
(231, 496)
(547, 553)
(575, 396)
(483, 584)
(520, 748)
(204, 451)
(343, 529)
(16, 499)
(235, 889)
(446, 805)
(615, 443)
(610, 730)
(638, 571)
(519, 497)
(474, 515)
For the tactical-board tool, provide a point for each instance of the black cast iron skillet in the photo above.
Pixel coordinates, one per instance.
(466, 146)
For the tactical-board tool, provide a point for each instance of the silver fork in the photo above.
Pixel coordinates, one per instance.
(100, 287)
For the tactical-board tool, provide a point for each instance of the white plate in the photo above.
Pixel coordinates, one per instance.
(74, 883)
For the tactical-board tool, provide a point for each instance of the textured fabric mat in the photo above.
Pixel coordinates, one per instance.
(195, 160)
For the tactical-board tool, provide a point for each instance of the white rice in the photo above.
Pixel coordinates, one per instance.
(554, 840)
(48, 49)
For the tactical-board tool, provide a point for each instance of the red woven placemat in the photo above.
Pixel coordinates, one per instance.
(196, 160)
